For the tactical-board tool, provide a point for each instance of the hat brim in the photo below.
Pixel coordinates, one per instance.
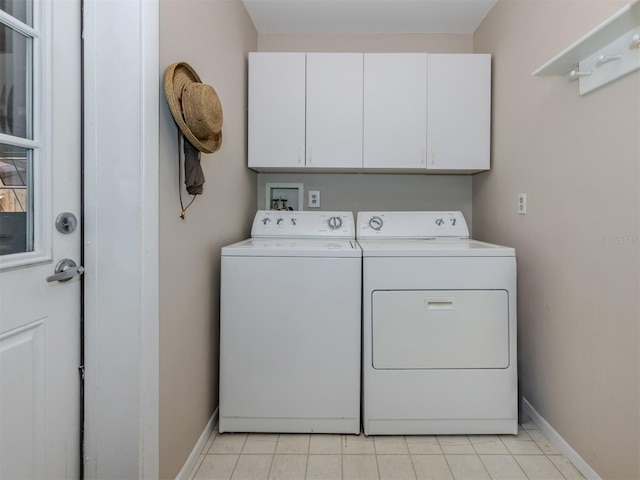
(173, 91)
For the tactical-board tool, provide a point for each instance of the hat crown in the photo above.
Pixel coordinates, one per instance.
(202, 110)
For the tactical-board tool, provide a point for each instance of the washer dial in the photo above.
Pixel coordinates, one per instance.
(334, 223)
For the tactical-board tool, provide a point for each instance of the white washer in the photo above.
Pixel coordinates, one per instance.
(439, 327)
(290, 326)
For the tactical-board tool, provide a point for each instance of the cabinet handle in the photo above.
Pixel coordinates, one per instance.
(299, 154)
(422, 156)
(309, 155)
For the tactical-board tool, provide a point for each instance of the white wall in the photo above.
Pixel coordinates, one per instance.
(362, 192)
(213, 37)
(381, 43)
(577, 158)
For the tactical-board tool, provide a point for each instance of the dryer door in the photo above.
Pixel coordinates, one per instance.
(440, 329)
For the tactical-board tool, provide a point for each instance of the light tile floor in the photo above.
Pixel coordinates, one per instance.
(529, 455)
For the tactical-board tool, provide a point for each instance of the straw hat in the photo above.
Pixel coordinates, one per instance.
(195, 107)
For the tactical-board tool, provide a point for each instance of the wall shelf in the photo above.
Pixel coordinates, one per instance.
(606, 53)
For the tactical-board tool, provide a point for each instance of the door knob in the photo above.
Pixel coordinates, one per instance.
(65, 270)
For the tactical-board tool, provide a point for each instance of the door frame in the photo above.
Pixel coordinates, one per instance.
(121, 210)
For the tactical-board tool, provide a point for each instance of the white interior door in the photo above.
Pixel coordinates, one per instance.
(40, 172)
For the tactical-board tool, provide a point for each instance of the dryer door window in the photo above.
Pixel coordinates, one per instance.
(440, 329)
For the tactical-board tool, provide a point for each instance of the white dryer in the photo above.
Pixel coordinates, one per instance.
(290, 326)
(439, 327)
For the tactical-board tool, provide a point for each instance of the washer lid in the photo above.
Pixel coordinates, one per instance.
(293, 247)
(438, 247)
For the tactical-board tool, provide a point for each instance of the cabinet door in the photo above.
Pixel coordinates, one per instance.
(395, 110)
(276, 110)
(334, 110)
(459, 111)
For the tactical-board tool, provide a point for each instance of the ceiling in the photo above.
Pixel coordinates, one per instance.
(367, 16)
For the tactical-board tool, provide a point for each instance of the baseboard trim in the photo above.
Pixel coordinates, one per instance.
(197, 449)
(559, 442)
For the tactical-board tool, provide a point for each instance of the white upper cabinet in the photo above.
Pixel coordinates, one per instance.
(458, 112)
(334, 110)
(305, 111)
(395, 110)
(276, 110)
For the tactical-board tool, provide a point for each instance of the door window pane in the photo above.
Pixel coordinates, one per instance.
(16, 211)
(20, 9)
(15, 83)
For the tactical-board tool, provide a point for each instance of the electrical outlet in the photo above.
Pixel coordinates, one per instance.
(314, 199)
(522, 203)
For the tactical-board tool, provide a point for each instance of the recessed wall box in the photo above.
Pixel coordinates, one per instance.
(284, 196)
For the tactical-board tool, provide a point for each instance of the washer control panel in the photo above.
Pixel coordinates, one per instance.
(298, 224)
(411, 225)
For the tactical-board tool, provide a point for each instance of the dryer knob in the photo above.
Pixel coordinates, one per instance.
(375, 223)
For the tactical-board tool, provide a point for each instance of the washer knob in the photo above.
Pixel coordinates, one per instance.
(334, 223)
(266, 220)
(439, 222)
(375, 223)
(279, 221)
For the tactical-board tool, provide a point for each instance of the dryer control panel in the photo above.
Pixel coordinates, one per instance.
(303, 224)
(414, 225)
